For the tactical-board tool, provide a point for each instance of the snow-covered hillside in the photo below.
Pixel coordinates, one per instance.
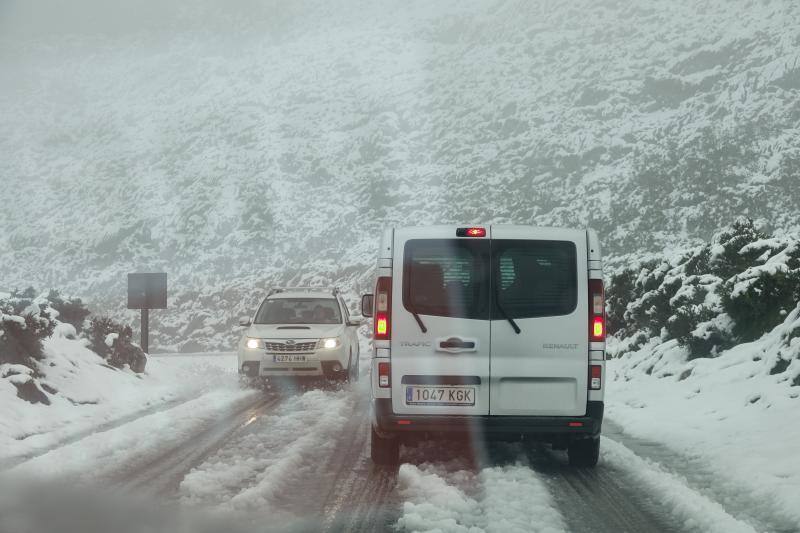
(706, 364)
(235, 145)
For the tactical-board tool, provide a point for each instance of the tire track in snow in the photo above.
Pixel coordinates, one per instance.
(256, 470)
(760, 513)
(694, 511)
(501, 494)
(595, 499)
(356, 495)
(163, 474)
(509, 498)
(548, 494)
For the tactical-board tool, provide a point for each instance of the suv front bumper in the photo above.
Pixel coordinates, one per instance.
(386, 421)
(257, 363)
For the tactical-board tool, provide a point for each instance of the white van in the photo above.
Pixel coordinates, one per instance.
(496, 330)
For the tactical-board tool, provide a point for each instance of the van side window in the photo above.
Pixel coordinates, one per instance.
(446, 277)
(535, 278)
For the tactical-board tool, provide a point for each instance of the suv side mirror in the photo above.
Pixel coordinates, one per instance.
(244, 321)
(355, 320)
(366, 304)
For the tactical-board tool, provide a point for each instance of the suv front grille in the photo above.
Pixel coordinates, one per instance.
(282, 347)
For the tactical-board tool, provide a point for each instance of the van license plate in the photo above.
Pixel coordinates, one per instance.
(439, 395)
(289, 358)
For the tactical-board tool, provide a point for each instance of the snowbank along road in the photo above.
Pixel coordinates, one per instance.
(229, 459)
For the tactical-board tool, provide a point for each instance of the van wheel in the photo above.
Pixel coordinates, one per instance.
(584, 453)
(382, 450)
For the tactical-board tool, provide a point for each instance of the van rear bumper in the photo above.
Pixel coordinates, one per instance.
(386, 421)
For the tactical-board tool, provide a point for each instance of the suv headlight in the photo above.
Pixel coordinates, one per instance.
(330, 343)
(254, 344)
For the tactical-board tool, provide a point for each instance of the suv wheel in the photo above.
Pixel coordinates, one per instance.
(346, 374)
(353, 369)
(584, 453)
(382, 450)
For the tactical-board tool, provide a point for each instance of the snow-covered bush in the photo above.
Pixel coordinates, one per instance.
(711, 297)
(70, 310)
(736, 249)
(759, 297)
(38, 331)
(23, 325)
(112, 341)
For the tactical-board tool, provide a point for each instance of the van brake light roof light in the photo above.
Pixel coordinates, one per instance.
(471, 232)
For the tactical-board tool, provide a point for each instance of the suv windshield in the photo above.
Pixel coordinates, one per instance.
(299, 311)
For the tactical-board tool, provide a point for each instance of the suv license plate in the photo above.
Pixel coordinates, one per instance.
(439, 395)
(289, 358)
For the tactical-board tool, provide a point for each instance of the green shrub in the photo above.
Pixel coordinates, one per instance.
(698, 262)
(731, 261)
(681, 299)
(23, 326)
(72, 311)
(652, 310)
(112, 341)
(713, 341)
(618, 294)
(763, 304)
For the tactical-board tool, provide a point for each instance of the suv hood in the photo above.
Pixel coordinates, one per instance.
(294, 331)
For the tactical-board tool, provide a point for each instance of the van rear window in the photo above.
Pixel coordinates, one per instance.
(450, 277)
(535, 278)
(446, 277)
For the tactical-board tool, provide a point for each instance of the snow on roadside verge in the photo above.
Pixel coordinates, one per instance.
(696, 512)
(99, 456)
(508, 498)
(92, 394)
(732, 413)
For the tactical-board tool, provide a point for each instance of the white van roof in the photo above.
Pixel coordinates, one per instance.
(594, 252)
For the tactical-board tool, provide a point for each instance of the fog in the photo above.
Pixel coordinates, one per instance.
(237, 145)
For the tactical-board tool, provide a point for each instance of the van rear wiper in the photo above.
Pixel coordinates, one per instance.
(503, 312)
(417, 318)
(510, 320)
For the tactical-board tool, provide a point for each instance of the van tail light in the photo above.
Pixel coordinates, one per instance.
(597, 313)
(383, 309)
(384, 375)
(597, 328)
(595, 377)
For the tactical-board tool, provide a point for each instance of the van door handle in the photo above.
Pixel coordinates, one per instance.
(454, 344)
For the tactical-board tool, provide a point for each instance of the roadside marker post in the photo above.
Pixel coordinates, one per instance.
(147, 291)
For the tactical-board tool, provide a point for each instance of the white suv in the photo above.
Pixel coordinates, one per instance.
(493, 331)
(300, 331)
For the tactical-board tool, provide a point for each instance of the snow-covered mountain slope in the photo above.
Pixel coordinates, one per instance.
(235, 145)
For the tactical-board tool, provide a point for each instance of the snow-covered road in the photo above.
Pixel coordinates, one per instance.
(298, 460)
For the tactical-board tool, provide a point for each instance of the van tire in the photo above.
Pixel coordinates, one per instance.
(384, 450)
(584, 453)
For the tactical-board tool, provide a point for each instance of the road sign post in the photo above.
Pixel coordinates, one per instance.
(147, 291)
(146, 330)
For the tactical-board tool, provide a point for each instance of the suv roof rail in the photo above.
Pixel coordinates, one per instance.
(275, 290)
